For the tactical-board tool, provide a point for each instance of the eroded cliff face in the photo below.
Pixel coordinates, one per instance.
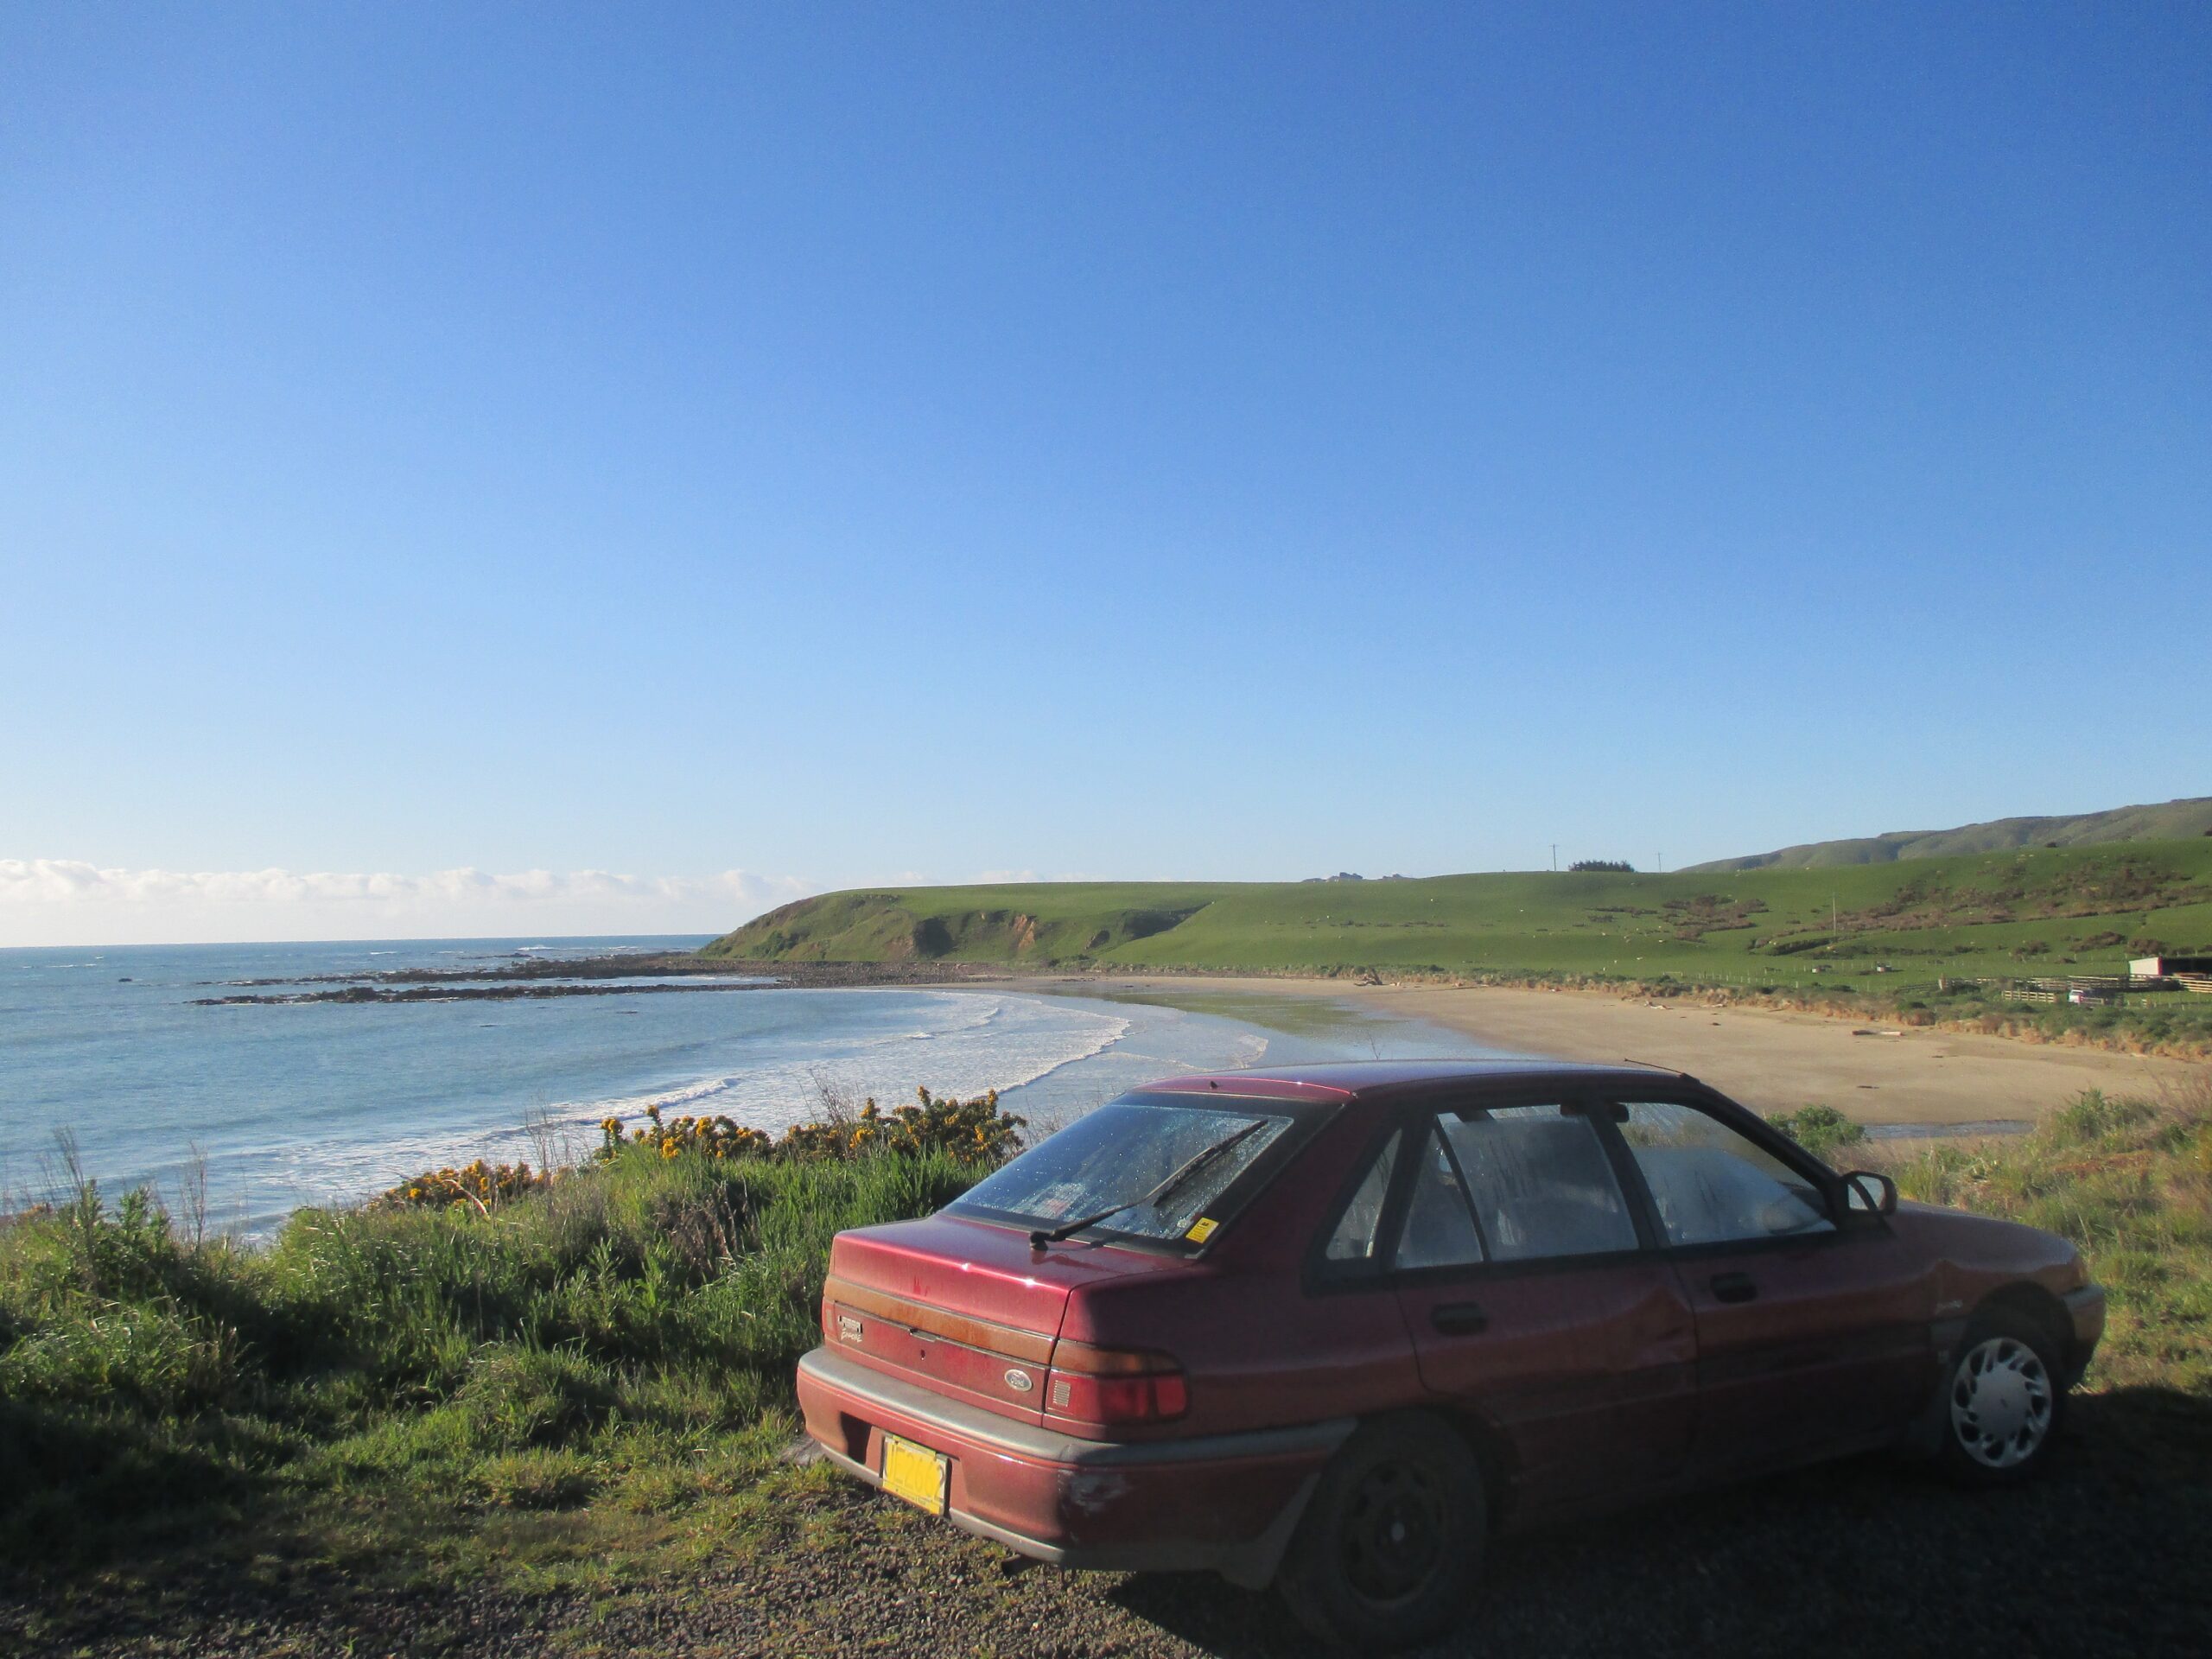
(883, 927)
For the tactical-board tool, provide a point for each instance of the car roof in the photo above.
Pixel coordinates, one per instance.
(1375, 1079)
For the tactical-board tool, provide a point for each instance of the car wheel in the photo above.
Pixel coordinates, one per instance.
(1387, 1552)
(2001, 1402)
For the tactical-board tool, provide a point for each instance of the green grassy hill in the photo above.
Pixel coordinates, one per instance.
(2170, 821)
(2083, 910)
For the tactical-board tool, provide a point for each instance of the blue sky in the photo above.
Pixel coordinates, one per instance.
(841, 445)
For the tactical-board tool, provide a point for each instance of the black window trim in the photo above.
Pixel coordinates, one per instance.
(1599, 1101)
(1418, 1119)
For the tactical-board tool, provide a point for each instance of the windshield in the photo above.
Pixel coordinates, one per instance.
(1116, 1155)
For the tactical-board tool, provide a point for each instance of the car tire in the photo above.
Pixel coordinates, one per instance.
(1387, 1553)
(2001, 1402)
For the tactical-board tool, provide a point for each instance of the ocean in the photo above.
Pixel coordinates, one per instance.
(108, 1067)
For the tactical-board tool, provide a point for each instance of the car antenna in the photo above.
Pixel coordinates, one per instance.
(1654, 1065)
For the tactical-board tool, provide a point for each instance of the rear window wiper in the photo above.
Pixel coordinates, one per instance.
(1158, 1195)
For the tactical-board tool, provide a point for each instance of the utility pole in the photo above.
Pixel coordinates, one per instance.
(1554, 858)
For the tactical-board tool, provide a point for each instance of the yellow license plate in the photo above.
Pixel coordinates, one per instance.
(915, 1473)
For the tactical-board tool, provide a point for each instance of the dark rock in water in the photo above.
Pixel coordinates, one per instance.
(661, 976)
(125, 980)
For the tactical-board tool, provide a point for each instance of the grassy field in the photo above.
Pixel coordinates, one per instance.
(561, 1423)
(2014, 914)
(1887, 933)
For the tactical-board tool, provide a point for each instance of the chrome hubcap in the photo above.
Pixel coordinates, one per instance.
(2000, 1402)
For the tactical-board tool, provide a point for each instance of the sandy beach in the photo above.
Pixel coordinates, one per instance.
(1769, 1061)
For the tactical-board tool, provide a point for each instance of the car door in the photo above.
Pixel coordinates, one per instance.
(1534, 1300)
(1813, 1322)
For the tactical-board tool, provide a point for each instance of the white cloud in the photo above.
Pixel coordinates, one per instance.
(55, 901)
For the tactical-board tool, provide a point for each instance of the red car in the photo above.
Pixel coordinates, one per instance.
(1329, 1327)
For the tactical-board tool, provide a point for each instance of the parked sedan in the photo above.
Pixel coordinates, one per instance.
(1331, 1327)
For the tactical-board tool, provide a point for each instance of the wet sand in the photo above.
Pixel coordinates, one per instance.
(1768, 1060)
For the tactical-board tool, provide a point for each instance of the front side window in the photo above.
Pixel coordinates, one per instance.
(1121, 1155)
(1713, 1185)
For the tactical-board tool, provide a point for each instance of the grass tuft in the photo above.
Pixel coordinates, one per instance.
(391, 1379)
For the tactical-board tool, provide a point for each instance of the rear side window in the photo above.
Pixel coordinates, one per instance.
(1440, 1229)
(1354, 1237)
(1513, 1184)
(1540, 1183)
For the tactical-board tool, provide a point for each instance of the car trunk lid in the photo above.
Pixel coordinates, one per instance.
(966, 1307)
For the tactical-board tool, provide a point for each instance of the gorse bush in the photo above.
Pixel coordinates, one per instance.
(626, 1328)
(710, 1137)
(974, 1131)
(1822, 1130)
(479, 1184)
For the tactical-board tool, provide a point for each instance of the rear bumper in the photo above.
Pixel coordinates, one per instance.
(1225, 1504)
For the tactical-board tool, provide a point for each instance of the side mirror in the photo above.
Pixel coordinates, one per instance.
(1867, 1193)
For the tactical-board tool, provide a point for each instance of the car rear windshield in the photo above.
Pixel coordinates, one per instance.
(1124, 1151)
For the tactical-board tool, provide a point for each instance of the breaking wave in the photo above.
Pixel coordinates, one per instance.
(976, 1043)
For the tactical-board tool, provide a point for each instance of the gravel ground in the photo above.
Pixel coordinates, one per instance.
(2108, 1555)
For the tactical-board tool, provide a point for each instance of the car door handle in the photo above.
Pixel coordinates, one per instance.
(1734, 1286)
(1459, 1319)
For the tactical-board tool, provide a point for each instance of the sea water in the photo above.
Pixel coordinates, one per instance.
(108, 1067)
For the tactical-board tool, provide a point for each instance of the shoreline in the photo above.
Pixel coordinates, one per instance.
(1770, 1060)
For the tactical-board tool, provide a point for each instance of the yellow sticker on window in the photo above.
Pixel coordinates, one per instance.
(1202, 1229)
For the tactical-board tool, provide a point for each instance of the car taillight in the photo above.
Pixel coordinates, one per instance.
(1115, 1385)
